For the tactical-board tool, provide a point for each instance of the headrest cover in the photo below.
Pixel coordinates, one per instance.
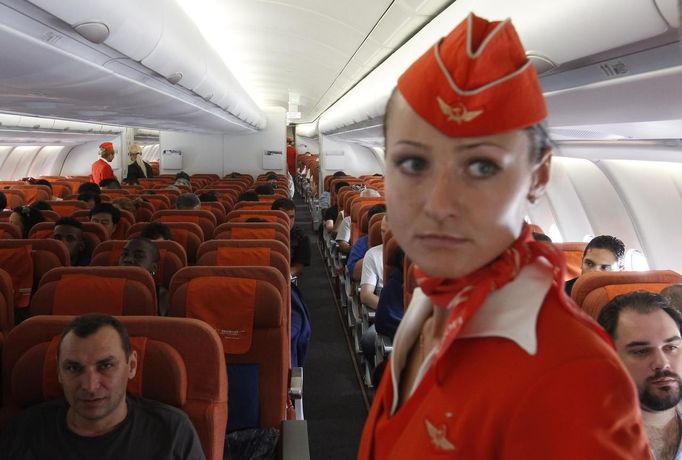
(107, 146)
(476, 81)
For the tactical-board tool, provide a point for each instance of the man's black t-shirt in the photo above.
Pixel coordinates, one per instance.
(331, 213)
(150, 431)
(300, 246)
(568, 287)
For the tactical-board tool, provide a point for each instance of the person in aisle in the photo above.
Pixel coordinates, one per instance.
(138, 168)
(645, 328)
(101, 169)
(97, 418)
(491, 359)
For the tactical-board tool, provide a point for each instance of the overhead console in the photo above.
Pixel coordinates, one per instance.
(126, 62)
(559, 36)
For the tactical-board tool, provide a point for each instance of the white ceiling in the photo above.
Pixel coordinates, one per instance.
(317, 49)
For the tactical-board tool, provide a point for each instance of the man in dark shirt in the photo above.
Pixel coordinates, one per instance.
(604, 253)
(300, 244)
(97, 419)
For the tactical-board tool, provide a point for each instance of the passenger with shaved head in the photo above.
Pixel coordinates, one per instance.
(141, 252)
(491, 360)
(96, 418)
(645, 328)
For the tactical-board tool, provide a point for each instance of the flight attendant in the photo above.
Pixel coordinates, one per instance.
(491, 360)
(101, 169)
(138, 168)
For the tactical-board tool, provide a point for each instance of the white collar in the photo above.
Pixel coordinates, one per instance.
(510, 312)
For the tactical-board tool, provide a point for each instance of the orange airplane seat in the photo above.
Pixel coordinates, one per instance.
(14, 198)
(186, 234)
(111, 290)
(253, 230)
(253, 327)
(573, 252)
(212, 246)
(6, 302)
(27, 261)
(65, 208)
(594, 290)
(242, 215)
(204, 219)
(180, 363)
(9, 231)
(217, 209)
(159, 201)
(172, 257)
(228, 254)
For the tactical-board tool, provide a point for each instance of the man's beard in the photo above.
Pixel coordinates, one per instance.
(661, 398)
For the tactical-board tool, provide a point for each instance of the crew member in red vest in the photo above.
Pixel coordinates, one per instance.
(492, 359)
(101, 169)
(291, 157)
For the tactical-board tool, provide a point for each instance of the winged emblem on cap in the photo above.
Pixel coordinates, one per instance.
(459, 114)
(438, 436)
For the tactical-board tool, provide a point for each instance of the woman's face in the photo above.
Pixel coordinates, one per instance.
(456, 203)
(132, 157)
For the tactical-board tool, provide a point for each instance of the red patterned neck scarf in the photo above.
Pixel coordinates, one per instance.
(464, 296)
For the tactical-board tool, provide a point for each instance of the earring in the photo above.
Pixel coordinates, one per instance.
(532, 199)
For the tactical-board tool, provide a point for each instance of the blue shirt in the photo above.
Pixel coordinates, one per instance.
(391, 307)
(357, 252)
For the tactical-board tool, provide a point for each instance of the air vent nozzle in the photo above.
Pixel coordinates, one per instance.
(96, 32)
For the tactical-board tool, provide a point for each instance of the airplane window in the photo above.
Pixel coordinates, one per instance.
(555, 234)
(635, 260)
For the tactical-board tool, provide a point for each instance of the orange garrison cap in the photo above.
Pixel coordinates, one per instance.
(475, 81)
(108, 146)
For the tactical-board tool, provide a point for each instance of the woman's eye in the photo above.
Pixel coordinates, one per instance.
(482, 168)
(411, 165)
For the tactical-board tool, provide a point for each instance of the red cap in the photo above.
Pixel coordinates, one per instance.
(475, 81)
(108, 146)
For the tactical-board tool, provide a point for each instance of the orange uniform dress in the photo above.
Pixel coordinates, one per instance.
(101, 169)
(527, 378)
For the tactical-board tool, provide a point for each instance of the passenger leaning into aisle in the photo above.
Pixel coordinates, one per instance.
(492, 359)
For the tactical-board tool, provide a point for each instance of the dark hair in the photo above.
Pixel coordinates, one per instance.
(283, 203)
(41, 205)
(182, 175)
(110, 183)
(107, 208)
(249, 195)
(29, 217)
(187, 201)
(156, 253)
(86, 325)
(69, 221)
(376, 209)
(610, 243)
(265, 189)
(154, 230)
(208, 197)
(3, 201)
(640, 301)
(43, 182)
(89, 187)
(87, 196)
(339, 185)
(339, 174)
(540, 142)
(131, 181)
(271, 175)
(537, 236)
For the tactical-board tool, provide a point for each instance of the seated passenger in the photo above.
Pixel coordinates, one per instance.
(603, 254)
(141, 252)
(391, 306)
(187, 201)
(343, 230)
(48, 185)
(265, 189)
(41, 205)
(96, 418)
(70, 232)
(645, 329)
(155, 231)
(181, 180)
(300, 245)
(674, 295)
(125, 203)
(331, 214)
(249, 195)
(107, 215)
(357, 252)
(90, 198)
(89, 187)
(110, 184)
(3, 201)
(24, 218)
(208, 197)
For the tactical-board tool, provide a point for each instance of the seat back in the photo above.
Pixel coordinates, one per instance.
(594, 290)
(14, 198)
(180, 362)
(33, 193)
(252, 328)
(144, 211)
(259, 253)
(9, 231)
(253, 230)
(65, 208)
(6, 302)
(204, 219)
(258, 205)
(213, 245)
(159, 201)
(112, 290)
(186, 234)
(374, 232)
(216, 208)
(242, 215)
(172, 257)
(573, 253)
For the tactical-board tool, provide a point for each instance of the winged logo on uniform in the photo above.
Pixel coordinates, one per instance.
(458, 114)
(438, 436)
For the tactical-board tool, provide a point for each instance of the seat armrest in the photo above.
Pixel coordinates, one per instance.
(296, 390)
(295, 440)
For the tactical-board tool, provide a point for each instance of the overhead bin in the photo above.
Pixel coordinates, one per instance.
(557, 33)
(669, 10)
(170, 46)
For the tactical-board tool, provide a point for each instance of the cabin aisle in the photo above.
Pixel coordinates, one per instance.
(332, 400)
